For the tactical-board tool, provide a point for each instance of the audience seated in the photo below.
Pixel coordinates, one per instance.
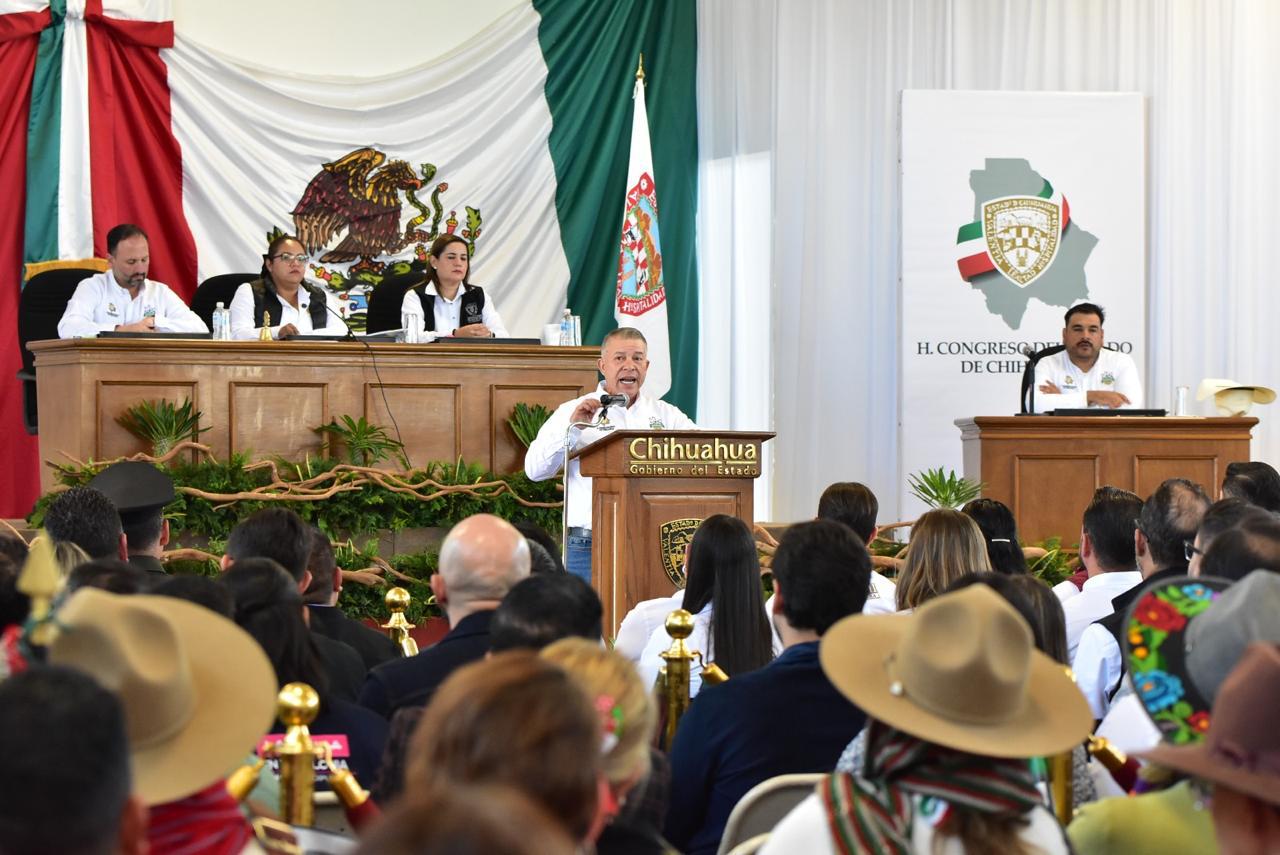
(950, 727)
(1108, 552)
(1253, 544)
(139, 491)
(1195, 658)
(108, 574)
(723, 593)
(85, 517)
(1169, 518)
(1240, 756)
(627, 718)
(198, 693)
(67, 780)
(545, 608)
(1000, 531)
(854, 505)
(1256, 482)
(481, 558)
(280, 535)
(784, 717)
(518, 720)
(474, 820)
(269, 607)
(324, 616)
(945, 545)
(201, 590)
(14, 605)
(1108, 526)
(1222, 515)
(536, 534)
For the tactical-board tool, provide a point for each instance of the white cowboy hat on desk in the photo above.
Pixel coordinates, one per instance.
(1232, 398)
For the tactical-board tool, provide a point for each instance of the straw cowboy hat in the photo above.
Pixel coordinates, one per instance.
(198, 691)
(962, 672)
(1242, 749)
(1232, 398)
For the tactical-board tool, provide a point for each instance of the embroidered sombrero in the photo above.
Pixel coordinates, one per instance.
(1183, 636)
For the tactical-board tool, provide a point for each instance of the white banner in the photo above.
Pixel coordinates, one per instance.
(1072, 166)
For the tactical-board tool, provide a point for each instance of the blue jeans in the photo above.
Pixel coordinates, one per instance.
(578, 556)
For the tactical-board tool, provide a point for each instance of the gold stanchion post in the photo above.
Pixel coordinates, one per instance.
(398, 626)
(297, 706)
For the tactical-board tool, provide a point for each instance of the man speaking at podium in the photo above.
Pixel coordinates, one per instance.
(616, 404)
(1085, 374)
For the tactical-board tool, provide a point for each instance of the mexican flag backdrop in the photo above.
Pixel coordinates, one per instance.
(518, 141)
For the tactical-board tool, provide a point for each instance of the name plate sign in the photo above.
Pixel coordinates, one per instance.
(686, 457)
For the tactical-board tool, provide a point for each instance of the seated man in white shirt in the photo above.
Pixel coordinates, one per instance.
(1107, 552)
(624, 362)
(447, 304)
(1168, 520)
(123, 299)
(1086, 374)
(283, 301)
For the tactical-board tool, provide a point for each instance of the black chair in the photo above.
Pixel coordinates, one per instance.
(215, 290)
(385, 299)
(43, 301)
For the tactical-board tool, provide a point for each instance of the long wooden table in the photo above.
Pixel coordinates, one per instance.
(266, 398)
(1045, 468)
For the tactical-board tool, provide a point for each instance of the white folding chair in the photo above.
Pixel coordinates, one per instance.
(763, 807)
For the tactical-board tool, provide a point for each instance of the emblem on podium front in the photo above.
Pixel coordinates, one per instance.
(673, 539)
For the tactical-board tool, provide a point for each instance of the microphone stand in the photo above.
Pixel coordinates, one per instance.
(564, 517)
(1029, 377)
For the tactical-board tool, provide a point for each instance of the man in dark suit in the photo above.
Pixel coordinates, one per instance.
(481, 559)
(327, 619)
(785, 717)
(280, 534)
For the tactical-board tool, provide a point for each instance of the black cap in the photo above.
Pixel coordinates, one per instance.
(135, 487)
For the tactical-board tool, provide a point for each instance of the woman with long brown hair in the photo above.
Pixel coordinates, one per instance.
(945, 545)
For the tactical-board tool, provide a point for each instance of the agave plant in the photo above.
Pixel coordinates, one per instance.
(365, 444)
(162, 424)
(942, 488)
(526, 421)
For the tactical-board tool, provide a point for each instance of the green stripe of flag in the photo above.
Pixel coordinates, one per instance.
(591, 49)
(44, 134)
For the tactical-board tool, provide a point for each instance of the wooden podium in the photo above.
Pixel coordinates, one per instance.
(651, 489)
(1045, 468)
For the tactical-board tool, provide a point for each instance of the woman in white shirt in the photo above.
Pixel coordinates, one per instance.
(282, 300)
(724, 595)
(446, 302)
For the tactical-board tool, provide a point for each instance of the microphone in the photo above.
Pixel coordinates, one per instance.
(607, 400)
(1029, 374)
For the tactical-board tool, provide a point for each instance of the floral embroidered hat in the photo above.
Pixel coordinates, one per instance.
(1184, 635)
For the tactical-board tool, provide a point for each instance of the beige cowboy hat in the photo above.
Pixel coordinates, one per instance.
(1242, 748)
(961, 671)
(1232, 398)
(198, 692)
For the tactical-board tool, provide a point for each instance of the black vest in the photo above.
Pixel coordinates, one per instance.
(266, 299)
(472, 306)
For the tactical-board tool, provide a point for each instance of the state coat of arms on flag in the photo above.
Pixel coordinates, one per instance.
(641, 295)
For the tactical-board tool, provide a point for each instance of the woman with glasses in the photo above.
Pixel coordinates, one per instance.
(282, 300)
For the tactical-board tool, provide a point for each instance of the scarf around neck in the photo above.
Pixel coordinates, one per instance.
(872, 812)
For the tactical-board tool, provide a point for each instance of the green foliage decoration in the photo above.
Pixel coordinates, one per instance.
(365, 444)
(526, 421)
(942, 488)
(162, 424)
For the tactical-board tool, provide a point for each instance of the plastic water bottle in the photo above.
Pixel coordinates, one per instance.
(221, 323)
(566, 328)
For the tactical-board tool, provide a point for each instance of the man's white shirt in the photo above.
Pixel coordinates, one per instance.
(546, 453)
(1111, 372)
(1094, 603)
(99, 304)
(1097, 666)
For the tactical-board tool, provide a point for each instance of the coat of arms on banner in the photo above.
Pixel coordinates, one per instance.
(673, 539)
(640, 263)
(1022, 235)
(351, 215)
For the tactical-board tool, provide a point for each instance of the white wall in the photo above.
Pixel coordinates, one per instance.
(335, 37)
